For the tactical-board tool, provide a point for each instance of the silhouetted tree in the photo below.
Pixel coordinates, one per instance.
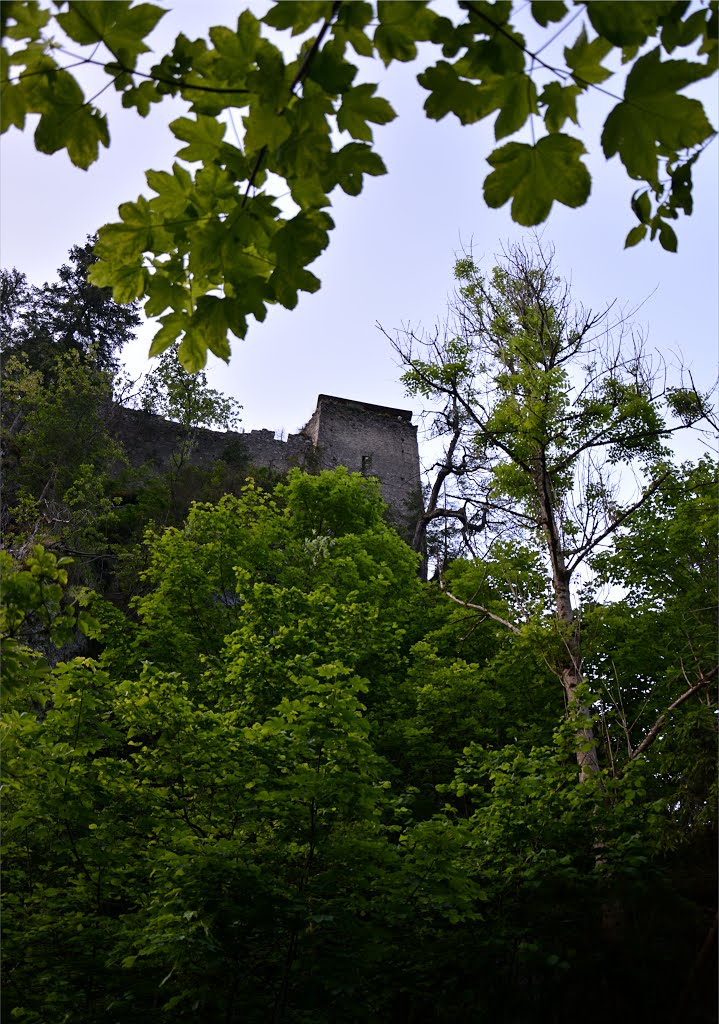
(68, 315)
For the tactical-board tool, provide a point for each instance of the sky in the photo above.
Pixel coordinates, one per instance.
(391, 255)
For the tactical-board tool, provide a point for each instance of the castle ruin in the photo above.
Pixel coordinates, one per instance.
(374, 440)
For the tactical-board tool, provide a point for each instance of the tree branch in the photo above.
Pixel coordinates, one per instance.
(704, 680)
(304, 68)
(582, 552)
(478, 608)
(174, 83)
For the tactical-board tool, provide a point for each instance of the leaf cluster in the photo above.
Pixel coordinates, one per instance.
(296, 781)
(66, 315)
(214, 245)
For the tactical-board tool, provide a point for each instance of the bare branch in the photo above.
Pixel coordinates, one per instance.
(478, 608)
(704, 681)
(614, 525)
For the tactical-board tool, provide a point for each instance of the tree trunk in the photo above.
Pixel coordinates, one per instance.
(571, 670)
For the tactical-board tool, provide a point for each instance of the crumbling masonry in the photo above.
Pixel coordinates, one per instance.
(370, 439)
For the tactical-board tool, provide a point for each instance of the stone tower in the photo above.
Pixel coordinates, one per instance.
(370, 439)
(374, 440)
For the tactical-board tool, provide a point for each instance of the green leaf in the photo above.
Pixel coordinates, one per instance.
(23, 21)
(192, 352)
(642, 206)
(173, 324)
(351, 162)
(209, 321)
(632, 137)
(142, 97)
(676, 32)
(360, 42)
(402, 23)
(561, 103)
(635, 235)
(535, 176)
(355, 15)
(123, 242)
(239, 47)
(235, 311)
(253, 292)
(265, 127)
(627, 23)
(394, 43)
(359, 106)
(301, 240)
(303, 159)
(331, 71)
(14, 106)
(681, 192)
(127, 281)
(546, 11)
(667, 237)
(174, 191)
(449, 94)
(502, 51)
(298, 242)
(352, 20)
(206, 239)
(163, 293)
(653, 114)
(308, 189)
(298, 16)
(650, 75)
(121, 27)
(515, 95)
(584, 59)
(204, 136)
(269, 80)
(67, 121)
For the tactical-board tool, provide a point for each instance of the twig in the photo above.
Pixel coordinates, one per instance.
(478, 608)
(704, 680)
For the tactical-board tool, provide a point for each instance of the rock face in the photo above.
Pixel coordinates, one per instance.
(370, 439)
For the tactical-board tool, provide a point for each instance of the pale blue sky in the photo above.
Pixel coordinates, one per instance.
(390, 257)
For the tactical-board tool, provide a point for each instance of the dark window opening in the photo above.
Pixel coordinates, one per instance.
(366, 465)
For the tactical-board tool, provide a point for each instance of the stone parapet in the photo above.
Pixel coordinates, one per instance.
(374, 440)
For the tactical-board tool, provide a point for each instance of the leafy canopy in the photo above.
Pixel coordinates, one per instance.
(170, 391)
(293, 784)
(67, 315)
(212, 244)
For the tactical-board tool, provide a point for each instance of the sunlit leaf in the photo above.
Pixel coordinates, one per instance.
(360, 106)
(535, 176)
(450, 94)
(584, 59)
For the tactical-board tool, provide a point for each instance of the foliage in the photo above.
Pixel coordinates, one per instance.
(539, 413)
(168, 390)
(296, 784)
(60, 373)
(246, 564)
(69, 315)
(35, 611)
(214, 245)
(55, 486)
(61, 382)
(538, 416)
(288, 780)
(658, 646)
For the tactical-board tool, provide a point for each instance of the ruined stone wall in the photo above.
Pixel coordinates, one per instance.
(152, 440)
(370, 439)
(376, 441)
